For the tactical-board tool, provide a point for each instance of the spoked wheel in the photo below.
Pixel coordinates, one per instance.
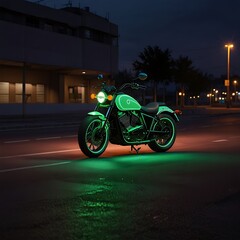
(93, 137)
(164, 140)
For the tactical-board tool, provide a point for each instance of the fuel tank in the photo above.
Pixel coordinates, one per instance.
(125, 102)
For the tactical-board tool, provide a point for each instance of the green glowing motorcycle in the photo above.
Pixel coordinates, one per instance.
(118, 118)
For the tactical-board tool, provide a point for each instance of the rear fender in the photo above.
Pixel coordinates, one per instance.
(167, 110)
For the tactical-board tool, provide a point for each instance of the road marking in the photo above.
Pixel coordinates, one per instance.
(39, 127)
(220, 140)
(70, 136)
(17, 141)
(40, 153)
(39, 139)
(47, 138)
(32, 167)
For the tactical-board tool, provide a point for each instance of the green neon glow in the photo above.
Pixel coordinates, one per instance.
(126, 103)
(94, 113)
(95, 143)
(145, 158)
(132, 129)
(164, 109)
(172, 137)
(98, 114)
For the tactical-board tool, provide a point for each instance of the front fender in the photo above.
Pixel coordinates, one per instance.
(97, 114)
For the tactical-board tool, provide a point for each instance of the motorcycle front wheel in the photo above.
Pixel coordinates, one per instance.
(93, 137)
(164, 140)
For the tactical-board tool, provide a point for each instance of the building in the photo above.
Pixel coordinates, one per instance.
(52, 55)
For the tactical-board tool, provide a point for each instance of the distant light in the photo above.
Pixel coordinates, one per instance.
(83, 72)
(229, 45)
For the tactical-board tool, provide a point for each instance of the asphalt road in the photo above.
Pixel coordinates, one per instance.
(50, 190)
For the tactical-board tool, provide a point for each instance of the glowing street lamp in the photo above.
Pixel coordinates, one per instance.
(227, 82)
(209, 95)
(235, 90)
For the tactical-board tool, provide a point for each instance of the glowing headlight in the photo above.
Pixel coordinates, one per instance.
(101, 97)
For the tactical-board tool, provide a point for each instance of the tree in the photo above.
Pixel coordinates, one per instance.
(157, 64)
(183, 73)
(123, 77)
(188, 78)
(200, 82)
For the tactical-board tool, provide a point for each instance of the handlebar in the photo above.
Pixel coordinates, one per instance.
(134, 86)
(137, 86)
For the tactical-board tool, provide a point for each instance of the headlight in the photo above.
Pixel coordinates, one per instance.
(101, 97)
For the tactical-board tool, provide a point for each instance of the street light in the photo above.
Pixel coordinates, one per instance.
(227, 82)
(235, 90)
(209, 95)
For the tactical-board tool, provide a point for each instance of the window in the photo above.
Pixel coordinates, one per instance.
(4, 92)
(87, 34)
(40, 93)
(76, 94)
(18, 91)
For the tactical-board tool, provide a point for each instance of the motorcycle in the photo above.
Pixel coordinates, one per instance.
(119, 119)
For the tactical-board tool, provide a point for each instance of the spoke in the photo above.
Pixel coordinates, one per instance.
(94, 139)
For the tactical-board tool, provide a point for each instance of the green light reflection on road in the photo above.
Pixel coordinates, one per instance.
(115, 162)
(105, 202)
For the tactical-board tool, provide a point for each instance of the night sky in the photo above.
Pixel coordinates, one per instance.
(198, 29)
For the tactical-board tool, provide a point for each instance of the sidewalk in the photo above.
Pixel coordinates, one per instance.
(196, 110)
(16, 122)
(33, 120)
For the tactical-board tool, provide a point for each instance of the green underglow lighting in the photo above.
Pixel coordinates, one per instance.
(116, 162)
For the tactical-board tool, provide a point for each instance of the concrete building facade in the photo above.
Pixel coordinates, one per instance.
(53, 55)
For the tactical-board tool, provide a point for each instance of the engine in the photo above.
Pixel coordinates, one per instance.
(132, 128)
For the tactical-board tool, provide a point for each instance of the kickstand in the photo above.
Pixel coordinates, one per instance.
(136, 149)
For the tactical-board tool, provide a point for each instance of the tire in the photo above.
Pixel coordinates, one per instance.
(92, 138)
(164, 141)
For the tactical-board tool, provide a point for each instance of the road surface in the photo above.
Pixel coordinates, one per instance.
(50, 190)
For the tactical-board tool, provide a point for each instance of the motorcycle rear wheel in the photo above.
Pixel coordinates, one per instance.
(92, 137)
(164, 141)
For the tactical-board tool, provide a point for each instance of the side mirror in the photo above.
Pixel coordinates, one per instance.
(142, 76)
(100, 76)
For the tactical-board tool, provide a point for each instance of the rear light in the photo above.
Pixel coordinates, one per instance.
(178, 112)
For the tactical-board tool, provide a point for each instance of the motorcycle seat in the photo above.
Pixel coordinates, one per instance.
(151, 107)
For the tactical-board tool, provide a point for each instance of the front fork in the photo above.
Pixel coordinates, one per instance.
(102, 117)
